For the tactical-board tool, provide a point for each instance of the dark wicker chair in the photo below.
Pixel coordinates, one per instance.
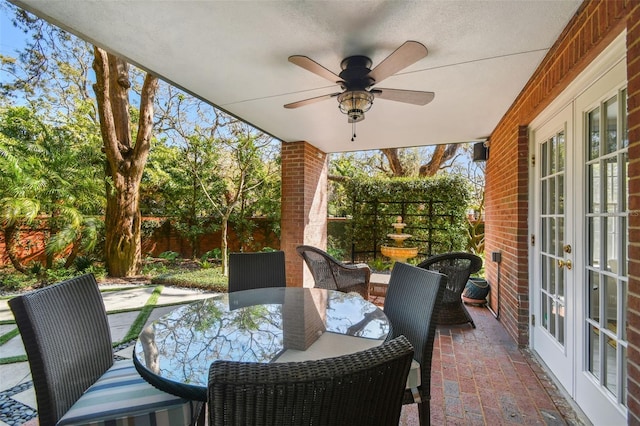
(256, 270)
(411, 303)
(457, 266)
(364, 388)
(331, 274)
(66, 335)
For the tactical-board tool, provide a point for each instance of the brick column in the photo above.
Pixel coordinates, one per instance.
(304, 206)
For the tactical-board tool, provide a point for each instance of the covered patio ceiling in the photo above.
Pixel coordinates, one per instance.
(233, 54)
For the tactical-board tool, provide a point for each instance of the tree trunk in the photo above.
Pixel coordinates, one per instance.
(441, 154)
(9, 242)
(125, 159)
(397, 169)
(224, 245)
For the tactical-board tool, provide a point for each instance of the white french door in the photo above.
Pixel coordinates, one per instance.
(554, 295)
(579, 245)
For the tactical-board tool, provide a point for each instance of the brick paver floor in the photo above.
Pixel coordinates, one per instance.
(481, 377)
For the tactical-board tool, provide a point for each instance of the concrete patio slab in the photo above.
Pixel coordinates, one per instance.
(128, 298)
(13, 347)
(172, 295)
(121, 323)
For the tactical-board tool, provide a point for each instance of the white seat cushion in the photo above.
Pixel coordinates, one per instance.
(122, 397)
(414, 380)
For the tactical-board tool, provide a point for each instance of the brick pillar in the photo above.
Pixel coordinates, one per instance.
(304, 206)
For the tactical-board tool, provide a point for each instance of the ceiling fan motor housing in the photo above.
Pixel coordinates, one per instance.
(355, 73)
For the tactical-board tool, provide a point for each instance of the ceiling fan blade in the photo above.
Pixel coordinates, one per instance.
(311, 65)
(414, 97)
(409, 53)
(311, 100)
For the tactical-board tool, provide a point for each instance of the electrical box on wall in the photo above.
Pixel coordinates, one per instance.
(496, 256)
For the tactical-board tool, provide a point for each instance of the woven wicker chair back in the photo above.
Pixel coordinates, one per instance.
(256, 270)
(331, 274)
(364, 388)
(66, 335)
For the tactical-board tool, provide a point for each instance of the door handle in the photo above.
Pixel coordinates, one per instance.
(562, 263)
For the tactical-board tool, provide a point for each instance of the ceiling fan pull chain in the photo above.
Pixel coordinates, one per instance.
(354, 131)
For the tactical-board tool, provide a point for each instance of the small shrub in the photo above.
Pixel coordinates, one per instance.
(379, 264)
(82, 263)
(169, 255)
(16, 281)
(216, 253)
(338, 253)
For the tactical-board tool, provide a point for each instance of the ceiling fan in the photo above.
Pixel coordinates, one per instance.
(357, 80)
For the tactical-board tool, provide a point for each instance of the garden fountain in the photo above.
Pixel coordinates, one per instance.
(399, 253)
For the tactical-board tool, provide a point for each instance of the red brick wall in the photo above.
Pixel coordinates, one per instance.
(304, 205)
(595, 25)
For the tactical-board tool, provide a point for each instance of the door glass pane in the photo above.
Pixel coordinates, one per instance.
(594, 241)
(559, 249)
(611, 304)
(623, 373)
(561, 324)
(611, 369)
(543, 228)
(593, 204)
(552, 155)
(611, 244)
(623, 309)
(594, 134)
(624, 182)
(611, 108)
(611, 186)
(560, 208)
(594, 351)
(561, 151)
(552, 235)
(593, 294)
(544, 166)
(543, 198)
(544, 301)
(624, 132)
(552, 195)
(624, 243)
(552, 318)
(552, 275)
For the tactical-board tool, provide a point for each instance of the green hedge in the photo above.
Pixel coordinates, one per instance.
(434, 210)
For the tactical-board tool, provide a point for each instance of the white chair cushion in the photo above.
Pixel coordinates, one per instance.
(413, 380)
(121, 397)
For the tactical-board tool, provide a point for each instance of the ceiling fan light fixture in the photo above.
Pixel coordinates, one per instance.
(354, 103)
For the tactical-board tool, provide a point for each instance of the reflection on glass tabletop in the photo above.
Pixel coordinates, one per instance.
(263, 325)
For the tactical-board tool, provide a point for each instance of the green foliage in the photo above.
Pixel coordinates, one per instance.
(380, 264)
(10, 281)
(169, 255)
(336, 252)
(216, 253)
(209, 279)
(434, 210)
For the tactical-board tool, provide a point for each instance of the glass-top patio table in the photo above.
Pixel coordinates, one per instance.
(174, 352)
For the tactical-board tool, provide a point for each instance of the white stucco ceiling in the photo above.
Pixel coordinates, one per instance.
(233, 54)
